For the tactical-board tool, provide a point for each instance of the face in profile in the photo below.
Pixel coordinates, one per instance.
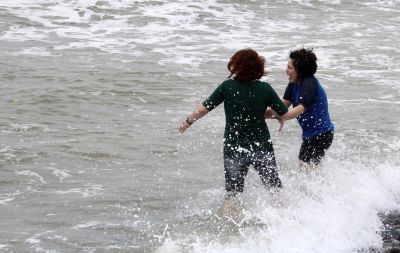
(291, 72)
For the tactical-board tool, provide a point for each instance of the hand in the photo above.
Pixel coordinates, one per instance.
(281, 122)
(183, 126)
(269, 114)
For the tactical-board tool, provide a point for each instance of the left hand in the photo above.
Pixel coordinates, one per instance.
(269, 114)
(183, 126)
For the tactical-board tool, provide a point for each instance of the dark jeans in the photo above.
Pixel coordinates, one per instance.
(313, 149)
(236, 169)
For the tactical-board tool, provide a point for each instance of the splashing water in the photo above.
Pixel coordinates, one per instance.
(334, 209)
(92, 93)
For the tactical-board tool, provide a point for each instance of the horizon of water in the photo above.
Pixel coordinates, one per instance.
(92, 94)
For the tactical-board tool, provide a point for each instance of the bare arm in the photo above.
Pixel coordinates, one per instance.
(286, 102)
(199, 112)
(271, 114)
(293, 113)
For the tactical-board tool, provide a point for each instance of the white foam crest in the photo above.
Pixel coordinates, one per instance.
(302, 2)
(29, 127)
(367, 74)
(37, 11)
(363, 101)
(339, 27)
(60, 174)
(383, 101)
(175, 20)
(311, 3)
(335, 209)
(395, 145)
(381, 60)
(24, 34)
(167, 27)
(31, 174)
(90, 224)
(72, 21)
(384, 5)
(4, 201)
(6, 149)
(89, 190)
(76, 11)
(185, 13)
(328, 57)
(38, 51)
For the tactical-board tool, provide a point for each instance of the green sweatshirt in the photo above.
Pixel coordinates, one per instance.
(245, 104)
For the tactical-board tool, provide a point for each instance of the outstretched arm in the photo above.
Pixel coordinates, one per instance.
(200, 111)
(308, 95)
(287, 102)
(271, 114)
(293, 113)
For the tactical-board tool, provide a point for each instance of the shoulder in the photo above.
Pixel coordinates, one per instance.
(309, 82)
(225, 83)
(228, 86)
(228, 82)
(264, 84)
(290, 85)
(263, 87)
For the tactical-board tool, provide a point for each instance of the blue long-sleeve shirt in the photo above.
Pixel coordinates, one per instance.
(315, 120)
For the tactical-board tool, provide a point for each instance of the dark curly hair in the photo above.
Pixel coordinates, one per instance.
(246, 65)
(304, 61)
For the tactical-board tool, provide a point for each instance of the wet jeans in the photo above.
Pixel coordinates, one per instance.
(313, 149)
(236, 169)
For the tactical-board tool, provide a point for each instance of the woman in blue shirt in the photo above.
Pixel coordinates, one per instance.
(310, 106)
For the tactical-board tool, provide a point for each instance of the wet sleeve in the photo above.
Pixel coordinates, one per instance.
(288, 92)
(216, 98)
(308, 91)
(276, 103)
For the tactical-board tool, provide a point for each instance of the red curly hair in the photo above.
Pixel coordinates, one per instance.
(246, 65)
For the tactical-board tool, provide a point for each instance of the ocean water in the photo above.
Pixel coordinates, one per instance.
(92, 94)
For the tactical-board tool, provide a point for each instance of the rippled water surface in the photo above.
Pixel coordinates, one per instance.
(92, 94)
